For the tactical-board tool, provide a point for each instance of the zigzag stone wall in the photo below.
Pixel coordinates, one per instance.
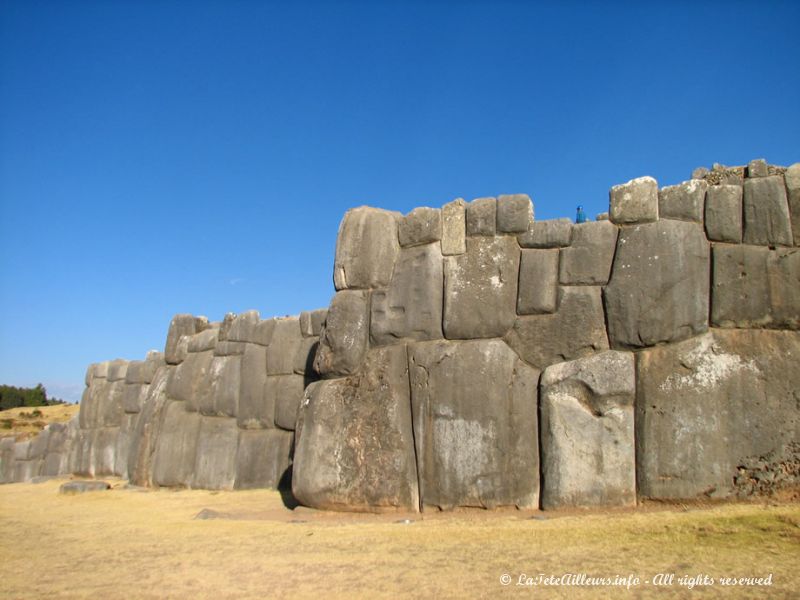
(473, 356)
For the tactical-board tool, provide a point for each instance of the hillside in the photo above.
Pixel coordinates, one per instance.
(24, 422)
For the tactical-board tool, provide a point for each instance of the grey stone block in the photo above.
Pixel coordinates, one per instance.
(142, 371)
(108, 400)
(117, 370)
(286, 339)
(176, 446)
(243, 327)
(482, 216)
(475, 424)
(26, 470)
(685, 201)
(38, 444)
(311, 322)
(412, 305)
(181, 325)
(81, 487)
(7, 460)
(603, 216)
(256, 407)
(344, 339)
(514, 213)
(262, 458)
(454, 227)
(766, 212)
(577, 329)
(659, 288)
(22, 450)
(217, 446)
(133, 397)
(792, 179)
(263, 332)
(366, 248)
(226, 348)
(634, 202)
(101, 369)
(123, 444)
(103, 450)
(421, 226)
(588, 260)
(724, 213)
(587, 432)
(305, 355)
(286, 392)
(739, 293)
(538, 282)
(224, 383)
(480, 289)
(757, 168)
(142, 449)
(354, 447)
(556, 233)
(189, 381)
(700, 173)
(205, 340)
(706, 406)
(783, 274)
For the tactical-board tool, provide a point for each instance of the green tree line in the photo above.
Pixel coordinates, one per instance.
(15, 397)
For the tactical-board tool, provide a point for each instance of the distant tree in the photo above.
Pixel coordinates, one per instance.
(15, 397)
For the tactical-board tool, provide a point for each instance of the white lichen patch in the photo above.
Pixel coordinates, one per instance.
(709, 366)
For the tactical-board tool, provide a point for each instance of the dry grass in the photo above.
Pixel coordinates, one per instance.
(23, 424)
(145, 544)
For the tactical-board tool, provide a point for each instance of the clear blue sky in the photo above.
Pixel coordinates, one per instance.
(165, 157)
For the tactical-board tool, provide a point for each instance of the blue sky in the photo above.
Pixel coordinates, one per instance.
(165, 157)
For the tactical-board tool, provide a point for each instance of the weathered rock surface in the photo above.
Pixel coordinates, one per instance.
(724, 213)
(757, 168)
(480, 289)
(262, 458)
(556, 233)
(766, 212)
(739, 293)
(181, 325)
(421, 226)
(792, 179)
(81, 487)
(576, 329)
(286, 339)
(708, 405)
(256, 407)
(189, 380)
(685, 201)
(355, 447)
(783, 274)
(587, 261)
(659, 287)
(587, 432)
(634, 202)
(286, 392)
(217, 444)
(475, 424)
(482, 216)
(344, 339)
(205, 340)
(366, 248)
(514, 213)
(454, 223)
(176, 446)
(412, 305)
(538, 282)
(311, 322)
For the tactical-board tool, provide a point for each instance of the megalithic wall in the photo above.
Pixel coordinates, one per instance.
(475, 357)
(215, 410)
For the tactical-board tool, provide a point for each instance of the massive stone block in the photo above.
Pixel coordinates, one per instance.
(176, 446)
(556, 233)
(108, 400)
(783, 274)
(189, 381)
(514, 213)
(304, 357)
(354, 448)
(481, 289)
(685, 201)
(538, 282)
(123, 445)
(724, 213)
(634, 202)
(740, 294)
(286, 339)
(475, 424)
(766, 212)
(344, 339)
(708, 407)
(311, 322)
(482, 216)
(412, 305)
(205, 340)
(224, 382)
(366, 248)
(256, 407)
(286, 392)
(103, 450)
(454, 227)
(181, 325)
(143, 371)
(262, 458)
(421, 226)
(588, 456)
(117, 369)
(792, 179)
(244, 328)
(133, 397)
(217, 445)
(659, 288)
(7, 460)
(587, 261)
(141, 451)
(577, 329)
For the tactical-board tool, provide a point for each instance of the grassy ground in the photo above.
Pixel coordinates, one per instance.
(126, 543)
(23, 423)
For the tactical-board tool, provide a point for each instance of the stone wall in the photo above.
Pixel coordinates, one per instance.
(475, 357)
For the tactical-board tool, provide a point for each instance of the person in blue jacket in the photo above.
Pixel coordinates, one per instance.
(581, 216)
